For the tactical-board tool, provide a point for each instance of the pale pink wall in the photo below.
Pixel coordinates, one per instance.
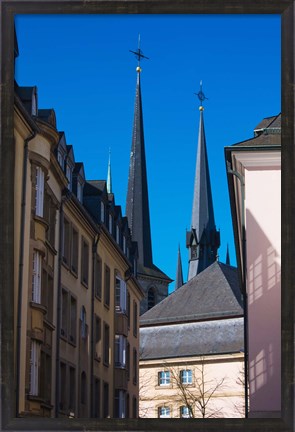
(263, 236)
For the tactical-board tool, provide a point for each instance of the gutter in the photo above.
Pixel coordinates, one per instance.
(230, 171)
(21, 267)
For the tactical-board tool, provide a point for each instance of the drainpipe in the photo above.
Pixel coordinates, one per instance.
(21, 267)
(64, 198)
(94, 248)
(244, 289)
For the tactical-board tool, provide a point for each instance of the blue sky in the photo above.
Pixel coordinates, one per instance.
(84, 70)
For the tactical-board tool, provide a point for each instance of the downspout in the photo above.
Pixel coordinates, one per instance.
(94, 248)
(21, 267)
(64, 198)
(244, 289)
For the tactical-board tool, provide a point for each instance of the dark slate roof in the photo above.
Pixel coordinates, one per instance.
(179, 275)
(137, 203)
(152, 271)
(47, 115)
(213, 293)
(267, 133)
(190, 339)
(268, 122)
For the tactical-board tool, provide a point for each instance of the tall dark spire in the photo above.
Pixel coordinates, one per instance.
(109, 176)
(137, 205)
(227, 256)
(203, 239)
(179, 276)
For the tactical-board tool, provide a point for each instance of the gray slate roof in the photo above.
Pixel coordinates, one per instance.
(268, 133)
(189, 339)
(214, 293)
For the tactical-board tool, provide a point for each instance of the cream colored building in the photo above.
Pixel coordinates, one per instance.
(77, 298)
(191, 349)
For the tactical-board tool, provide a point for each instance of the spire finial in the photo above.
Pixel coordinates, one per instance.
(201, 96)
(139, 55)
(109, 177)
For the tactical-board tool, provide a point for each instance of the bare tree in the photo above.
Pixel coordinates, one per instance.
(197, 398)
(240, 406)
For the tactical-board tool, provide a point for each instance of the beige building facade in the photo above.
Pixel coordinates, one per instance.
(76, 295)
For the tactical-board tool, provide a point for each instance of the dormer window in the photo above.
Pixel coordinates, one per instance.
(79, 191)
(102, 218)
(111, 224)
(117, 234)
(124, 245)
(39, 189)
(60, 159)
(34, 104)
(69, 176)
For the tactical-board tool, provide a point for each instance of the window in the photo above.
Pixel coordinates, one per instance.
(111, 224)
(151, 298)
(97, 340)
(128, 308)
(69, 176)
(164, 412)
(73, 320)
(63, 387)
(72, 390)
(124, 245)
(164, 378)
(45, 376)
(185, 412)
(80, 191)
(120, 295)
(66, 242)
(107, 285)
(105, 400)
(60, 158)
(134, 407)
(117, 234)
(106, 344)
(96, 398)
(135, 318)
(127, 405)
(83, 394)
(102, 217)
(98, 277)
(186, 376)
(39, 192)
(120, 351)
(135, 366)
(120, 404)
(34, 368)
(36, 277)
(83, 323)
(50, 217)
(65, 312)
(128, 361)
(84, 263)
(47, 294)
(74, 251)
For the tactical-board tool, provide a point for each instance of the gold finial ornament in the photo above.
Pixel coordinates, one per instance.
(201, 108)
(138, 69)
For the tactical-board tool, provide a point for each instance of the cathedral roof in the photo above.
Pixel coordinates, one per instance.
(192, 339)
(214, 293)
(266, 133)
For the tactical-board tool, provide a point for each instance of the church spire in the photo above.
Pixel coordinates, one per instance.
(109, 177)
(179, 276)
(137, 204)
(203, 239)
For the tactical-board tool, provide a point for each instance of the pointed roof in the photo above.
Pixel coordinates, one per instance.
(202, 212)
(179, 275)
(214, 293)
(109, 176)
(137, 205)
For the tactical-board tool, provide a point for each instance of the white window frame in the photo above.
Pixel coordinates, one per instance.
(36, 277)
(164, 378)
(39, 188)
(34, 368)
(186, 376)
(79, 191)
(187, 413)
(120, 351)
(121, 297)
(164, 412)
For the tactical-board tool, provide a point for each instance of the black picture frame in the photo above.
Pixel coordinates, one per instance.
(10, 8)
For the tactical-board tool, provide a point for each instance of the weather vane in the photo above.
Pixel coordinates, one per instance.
(139, 55)
(201, 95)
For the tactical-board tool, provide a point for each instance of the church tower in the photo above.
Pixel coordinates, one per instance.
(203, 240)
(153, 281)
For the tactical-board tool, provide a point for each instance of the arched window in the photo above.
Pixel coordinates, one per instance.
(151, 298)
(83, 323)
